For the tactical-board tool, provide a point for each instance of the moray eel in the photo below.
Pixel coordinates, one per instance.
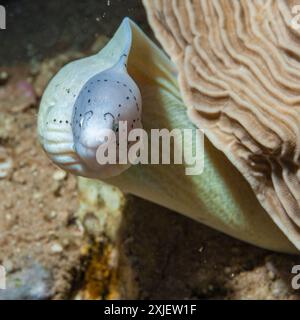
(90, 94)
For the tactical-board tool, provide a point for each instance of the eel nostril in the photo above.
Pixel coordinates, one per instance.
(88, 115)
(85, 118)
(81, 122)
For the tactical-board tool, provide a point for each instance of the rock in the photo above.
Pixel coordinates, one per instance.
(6, 163)
(271, 269)
(3, 77)
(8, 265)
(52, 215)
(31, 283)
(280, 289)
(59, 175)
(57, 248)
(37, 195)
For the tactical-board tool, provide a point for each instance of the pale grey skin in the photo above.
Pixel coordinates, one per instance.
(105, 99)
